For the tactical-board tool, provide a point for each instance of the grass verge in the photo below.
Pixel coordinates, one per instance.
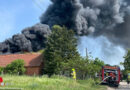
(45, 83)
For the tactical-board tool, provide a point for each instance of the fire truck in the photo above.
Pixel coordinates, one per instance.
(111, 75)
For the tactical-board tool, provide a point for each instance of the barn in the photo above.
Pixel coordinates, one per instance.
(33, 62)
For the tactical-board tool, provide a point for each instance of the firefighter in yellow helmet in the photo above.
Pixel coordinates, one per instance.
(73, 74)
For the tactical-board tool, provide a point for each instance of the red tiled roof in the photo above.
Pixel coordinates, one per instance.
(30, 59)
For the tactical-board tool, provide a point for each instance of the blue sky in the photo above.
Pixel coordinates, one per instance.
(16, 15)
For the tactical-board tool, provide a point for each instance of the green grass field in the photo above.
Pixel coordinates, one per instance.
(45, 83)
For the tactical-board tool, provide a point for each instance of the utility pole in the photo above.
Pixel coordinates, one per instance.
(86, 53)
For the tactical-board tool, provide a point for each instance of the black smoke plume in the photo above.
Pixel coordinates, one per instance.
(109, 18)
(31, 39)
(84, 16)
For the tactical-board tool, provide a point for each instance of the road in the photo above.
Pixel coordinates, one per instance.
(122, 86)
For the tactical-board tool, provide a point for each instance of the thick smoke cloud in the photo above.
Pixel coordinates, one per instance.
(109, 18)
(31, 39)
(120, 35)
(84, 16)
(61, 12)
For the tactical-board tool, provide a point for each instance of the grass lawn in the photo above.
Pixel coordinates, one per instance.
(45, 83)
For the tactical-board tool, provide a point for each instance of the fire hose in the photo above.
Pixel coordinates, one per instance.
(105, 79)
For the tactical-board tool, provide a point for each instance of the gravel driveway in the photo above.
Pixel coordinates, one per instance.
(122, 86)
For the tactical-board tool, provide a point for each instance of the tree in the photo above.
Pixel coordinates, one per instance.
(60, 49)
(127, 62)
(16, 67)
(1, 70)
(98, 64)
(85, 67)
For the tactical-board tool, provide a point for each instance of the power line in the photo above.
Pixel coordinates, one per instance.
(41, 1)
(37, 4)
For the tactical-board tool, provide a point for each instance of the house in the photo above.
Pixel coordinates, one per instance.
(33, 62)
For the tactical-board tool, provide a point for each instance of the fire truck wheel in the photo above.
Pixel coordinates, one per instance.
(116, 85)
(128, 82)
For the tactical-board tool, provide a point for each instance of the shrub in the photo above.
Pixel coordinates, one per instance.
(16, 67)
(97, 80)
(1, 70)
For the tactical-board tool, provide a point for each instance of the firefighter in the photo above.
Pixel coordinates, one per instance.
(111, 78)
(112, 75)
(73, 74)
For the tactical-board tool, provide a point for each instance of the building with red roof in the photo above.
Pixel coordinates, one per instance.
(33, 62)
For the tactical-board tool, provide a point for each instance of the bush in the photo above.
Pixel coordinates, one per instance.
(1, 70)
(97, 80)
(16, 67)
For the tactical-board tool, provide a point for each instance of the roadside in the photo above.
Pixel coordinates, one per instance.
(122, 86)
(44, 83)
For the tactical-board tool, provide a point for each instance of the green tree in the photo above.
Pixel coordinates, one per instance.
(126, 63)
(60, 49)
(1, 70)
(98, 64)
(15, 67)
(85, 67)
(80, 65)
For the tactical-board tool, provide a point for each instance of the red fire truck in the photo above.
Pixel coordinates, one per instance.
(111, 75)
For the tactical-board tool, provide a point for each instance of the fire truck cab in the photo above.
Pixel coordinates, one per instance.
(111, 75)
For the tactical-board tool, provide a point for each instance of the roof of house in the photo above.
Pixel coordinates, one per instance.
(30, 59)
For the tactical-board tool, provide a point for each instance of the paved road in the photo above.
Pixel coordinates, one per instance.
(122, 86)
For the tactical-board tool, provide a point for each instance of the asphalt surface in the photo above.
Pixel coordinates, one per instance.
(122, 86)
